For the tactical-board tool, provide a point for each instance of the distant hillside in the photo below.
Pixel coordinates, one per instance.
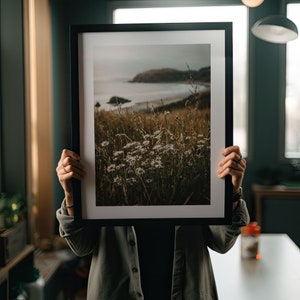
(172, 75)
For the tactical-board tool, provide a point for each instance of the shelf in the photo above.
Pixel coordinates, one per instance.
(47, 263)
(26, 251)
(271, 191)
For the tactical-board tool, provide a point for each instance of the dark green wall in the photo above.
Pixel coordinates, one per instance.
(12, 101)
(266, 102)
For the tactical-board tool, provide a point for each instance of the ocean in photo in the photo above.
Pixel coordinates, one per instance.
(150, 94)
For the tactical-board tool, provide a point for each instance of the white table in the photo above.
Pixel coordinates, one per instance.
(276, 276)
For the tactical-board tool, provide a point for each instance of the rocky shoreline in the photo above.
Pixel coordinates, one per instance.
(199, 99)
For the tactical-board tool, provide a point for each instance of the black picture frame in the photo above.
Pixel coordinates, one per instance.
(181, 69)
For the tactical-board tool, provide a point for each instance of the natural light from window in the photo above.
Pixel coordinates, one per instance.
(238, 15)
(292, 100)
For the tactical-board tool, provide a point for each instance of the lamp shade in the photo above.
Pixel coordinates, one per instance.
(275, 29)
(252, 3)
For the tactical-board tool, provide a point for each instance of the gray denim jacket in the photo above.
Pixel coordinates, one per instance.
(114, 272)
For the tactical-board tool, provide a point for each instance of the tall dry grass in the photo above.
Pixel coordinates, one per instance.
(153, 158)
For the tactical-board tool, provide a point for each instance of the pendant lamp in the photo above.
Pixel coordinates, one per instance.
(252, 3)
(275, 29)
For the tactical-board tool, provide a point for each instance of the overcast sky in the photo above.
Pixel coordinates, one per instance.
(127, 61)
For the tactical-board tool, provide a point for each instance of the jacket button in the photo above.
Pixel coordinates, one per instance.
(132, 243)
(134, 269)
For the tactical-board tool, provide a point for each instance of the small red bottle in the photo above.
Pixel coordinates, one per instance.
(250, 241)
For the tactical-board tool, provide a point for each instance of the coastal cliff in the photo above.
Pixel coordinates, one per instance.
(172, 75)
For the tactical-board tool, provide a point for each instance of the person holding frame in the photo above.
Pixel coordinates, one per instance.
(151, 261)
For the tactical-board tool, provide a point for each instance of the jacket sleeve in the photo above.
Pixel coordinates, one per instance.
(221, 238)
(81, 239)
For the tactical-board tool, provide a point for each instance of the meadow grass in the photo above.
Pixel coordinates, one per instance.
(152, 157)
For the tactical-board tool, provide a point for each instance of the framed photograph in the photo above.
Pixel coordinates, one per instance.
(151, 113)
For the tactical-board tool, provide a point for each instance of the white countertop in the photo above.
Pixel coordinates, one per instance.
(276, 276)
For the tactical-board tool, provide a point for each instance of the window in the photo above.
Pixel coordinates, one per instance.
(238, 14)
(292, 100)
